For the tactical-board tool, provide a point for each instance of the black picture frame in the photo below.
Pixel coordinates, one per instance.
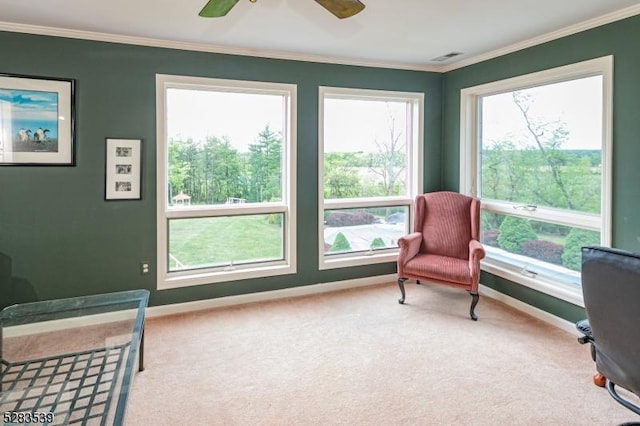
(37, 121)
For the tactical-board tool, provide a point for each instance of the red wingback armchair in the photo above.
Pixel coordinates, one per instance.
(445, 246)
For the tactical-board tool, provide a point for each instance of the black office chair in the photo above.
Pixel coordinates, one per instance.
(611, 289)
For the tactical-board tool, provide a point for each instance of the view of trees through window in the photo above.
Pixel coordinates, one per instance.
(369, 159)
(541, 155)
(225, 154)
(214, 171)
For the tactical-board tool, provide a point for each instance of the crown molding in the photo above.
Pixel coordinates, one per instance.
(205, 47)
(554, 35)
(213, 48)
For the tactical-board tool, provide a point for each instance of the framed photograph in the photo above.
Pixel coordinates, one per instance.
(36, 121)
(123, 169)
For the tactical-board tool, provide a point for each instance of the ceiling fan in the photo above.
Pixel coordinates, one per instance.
(340, 8)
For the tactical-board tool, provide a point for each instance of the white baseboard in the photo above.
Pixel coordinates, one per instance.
(528, 309)
(157, 311)
(263, 296)
(67, 323)
(176, 308)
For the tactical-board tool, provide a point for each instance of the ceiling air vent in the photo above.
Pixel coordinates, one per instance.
(446, 57)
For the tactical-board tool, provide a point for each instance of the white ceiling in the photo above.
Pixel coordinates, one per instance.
(401, 33)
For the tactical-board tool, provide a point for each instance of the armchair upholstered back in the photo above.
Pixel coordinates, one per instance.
(450, 220)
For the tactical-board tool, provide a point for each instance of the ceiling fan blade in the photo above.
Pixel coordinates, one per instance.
(342, 8)
(217, 8)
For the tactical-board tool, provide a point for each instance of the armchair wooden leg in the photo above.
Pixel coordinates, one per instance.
(474, 301)
(401, 285)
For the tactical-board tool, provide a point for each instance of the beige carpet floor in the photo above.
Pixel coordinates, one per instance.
(357, 357)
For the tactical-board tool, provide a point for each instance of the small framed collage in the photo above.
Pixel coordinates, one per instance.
(123, 169)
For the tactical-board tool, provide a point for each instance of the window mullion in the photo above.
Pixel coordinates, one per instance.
(224, 211)
(366, 202)
(560, 217)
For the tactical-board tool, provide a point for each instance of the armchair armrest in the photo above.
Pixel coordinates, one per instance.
(476, 250)
(409, 247)
(476, 253)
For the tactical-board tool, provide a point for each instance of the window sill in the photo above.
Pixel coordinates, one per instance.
(547, 285)
(345, 261)
(194, 278)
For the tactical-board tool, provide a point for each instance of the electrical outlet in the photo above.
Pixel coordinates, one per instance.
(144, 268)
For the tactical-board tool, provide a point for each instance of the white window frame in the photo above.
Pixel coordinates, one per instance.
(166, 279)
(415, 125)
(470, 128)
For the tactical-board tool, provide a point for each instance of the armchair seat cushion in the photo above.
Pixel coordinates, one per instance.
(442, 268)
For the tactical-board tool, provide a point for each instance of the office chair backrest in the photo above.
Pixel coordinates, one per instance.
(611, 289)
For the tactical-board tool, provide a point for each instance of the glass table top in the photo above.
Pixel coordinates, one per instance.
(70, 361)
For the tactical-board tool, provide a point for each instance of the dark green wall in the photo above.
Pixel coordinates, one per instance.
(614, 39)
(59, 238)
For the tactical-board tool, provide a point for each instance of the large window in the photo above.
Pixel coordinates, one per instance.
(536, 150)
(370, 171)
(226, 176)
